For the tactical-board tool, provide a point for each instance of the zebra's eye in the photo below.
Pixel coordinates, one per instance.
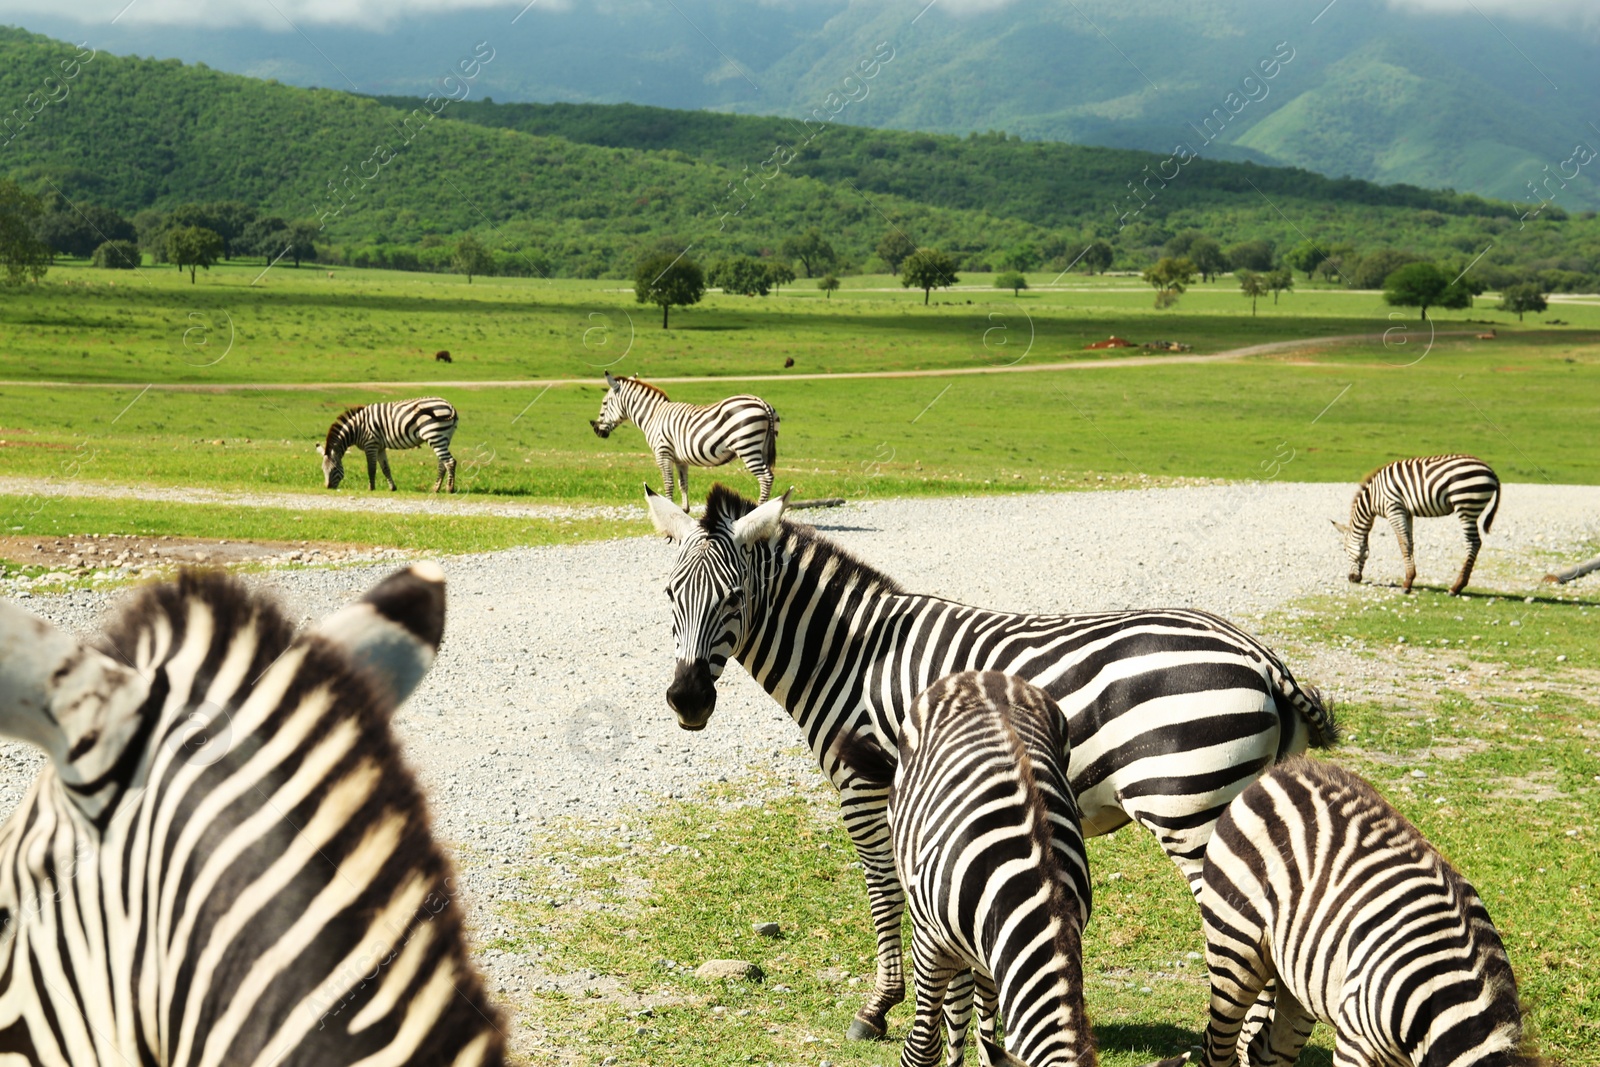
(735, 599)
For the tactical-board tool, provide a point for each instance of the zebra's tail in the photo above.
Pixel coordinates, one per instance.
(1308, 702)
(1492, 510)
(769, 452)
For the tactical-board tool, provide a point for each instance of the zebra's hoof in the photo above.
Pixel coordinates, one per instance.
(864, 1030)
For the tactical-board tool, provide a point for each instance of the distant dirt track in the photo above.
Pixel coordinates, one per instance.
(1270, 348)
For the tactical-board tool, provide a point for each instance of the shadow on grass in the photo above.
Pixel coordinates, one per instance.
(1161, 1040)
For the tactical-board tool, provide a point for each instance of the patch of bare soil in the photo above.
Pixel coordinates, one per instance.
(106, 552)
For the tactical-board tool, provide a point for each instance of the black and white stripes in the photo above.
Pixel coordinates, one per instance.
(376, 428)
(1314, 880)
(740, 427)
(226, 861)
(1426, 487)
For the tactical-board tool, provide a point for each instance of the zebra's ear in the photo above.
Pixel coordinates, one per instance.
(763, 524)
(611, 383)
(320, 450)
(63, 696)
(1342, 527)
(668, 517)
(997, 1056)
(394, 631)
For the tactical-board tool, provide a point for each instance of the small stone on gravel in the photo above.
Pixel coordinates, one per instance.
(728, 969)
(767, 929)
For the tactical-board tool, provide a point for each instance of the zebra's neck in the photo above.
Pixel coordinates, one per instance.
(341, 435)
(640, 402)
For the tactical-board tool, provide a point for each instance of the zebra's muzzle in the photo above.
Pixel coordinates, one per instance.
(693, 694)
(598, 432)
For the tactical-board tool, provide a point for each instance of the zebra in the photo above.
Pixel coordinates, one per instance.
(226, 859)
(679, 434)
(1428, 486)
(1314, 880)
(1171, 713)
(376, 428)
(988, 845)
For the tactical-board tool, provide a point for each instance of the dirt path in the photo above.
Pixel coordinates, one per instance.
(1270, 348)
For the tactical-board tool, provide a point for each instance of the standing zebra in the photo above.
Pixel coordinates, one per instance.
(376, 428)
(679, 434)
(988, 845)
(1314, 880)
(1171, 713)
(226, 860)
(1429, 486)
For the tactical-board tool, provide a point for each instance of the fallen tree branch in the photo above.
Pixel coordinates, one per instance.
(1575, 571)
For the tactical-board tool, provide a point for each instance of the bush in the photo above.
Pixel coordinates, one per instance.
(117, 255)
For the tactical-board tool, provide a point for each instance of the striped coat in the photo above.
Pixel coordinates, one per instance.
(1170, 713)
(1313, 880)
(376, 428)
(1427, 487)
(226, 860)
(681, 435)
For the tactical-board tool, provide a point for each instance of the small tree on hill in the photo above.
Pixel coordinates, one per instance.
(1424, 285)
(1306, 256)
(1012, 280)
(117, 255)
(894, 248)
(827, 283)
(739, 276)
(811, 249)
(1252, 285)
(669, 281)
(928, 269)
(1207, 257)
(193, 246)
(22, 254)
(1170, 276)
(1280, 281)
(1251, 255)
(1524, 296)
(1097, 257)
(471, 257)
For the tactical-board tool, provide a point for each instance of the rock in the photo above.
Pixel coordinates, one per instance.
(728, 969)
(767, 929)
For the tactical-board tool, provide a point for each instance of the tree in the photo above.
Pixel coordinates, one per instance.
(1097, 257)
(193, 246)
(152, 228)
(1252, 285)
(302, 235)
(1371, 270)
(779, 273)
(811, 249)
(828, 283)
(1280, 281)
(1251, 255)
(1022, 257)
(669, 281)
(1012, 280)
(927, 269)
(471, 257)
(1424, 285)
(1170, 277)
(77, 230)
(22, 254)
(117, 255)
(1524, 296)
(739, 276)
(265, 237)
(1208, 258)
(1181, 245)
(894, 248)
(1306, 256)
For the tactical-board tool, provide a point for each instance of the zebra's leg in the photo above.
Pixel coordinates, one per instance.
(935, 971)
(388, 476)
(1237, 983)
(957, 1015)
(866, 820)
(1469, 526)
(664, 461)
(1400, 519)
(372, 469)
(450, 464)
(683, 481)
(988, 998)
(1279, 1044)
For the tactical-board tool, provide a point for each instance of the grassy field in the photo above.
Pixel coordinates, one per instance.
(1524, 401)
(1510, 745)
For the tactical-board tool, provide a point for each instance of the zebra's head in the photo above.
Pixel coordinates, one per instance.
(1355, 547)
(332, 466)
(612, 413)
(209, 766)
(710, 588)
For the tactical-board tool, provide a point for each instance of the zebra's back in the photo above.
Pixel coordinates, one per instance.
(710, 435)
(408, 423)
(1312, 877)
(1434, 486)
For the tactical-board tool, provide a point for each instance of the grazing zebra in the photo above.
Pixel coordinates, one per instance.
(1171, 713)
(679, 434)
(988, 846)
(1314, 880)
(226, 860)
(376, 428)
(1429, 486)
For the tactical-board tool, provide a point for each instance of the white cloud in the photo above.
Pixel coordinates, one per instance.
(1561, 12)
(268, 14)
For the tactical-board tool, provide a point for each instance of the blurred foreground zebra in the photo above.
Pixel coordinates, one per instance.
(1312, 878)
(377, 428)
(1171, 713)
(1428, 487)
(988, 846)
(226, 861)
(681, 434)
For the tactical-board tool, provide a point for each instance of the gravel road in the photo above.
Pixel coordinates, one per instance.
(547, 699)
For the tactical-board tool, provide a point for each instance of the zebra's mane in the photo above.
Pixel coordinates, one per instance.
(724, 507)
(642, 384)
(339, 423)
